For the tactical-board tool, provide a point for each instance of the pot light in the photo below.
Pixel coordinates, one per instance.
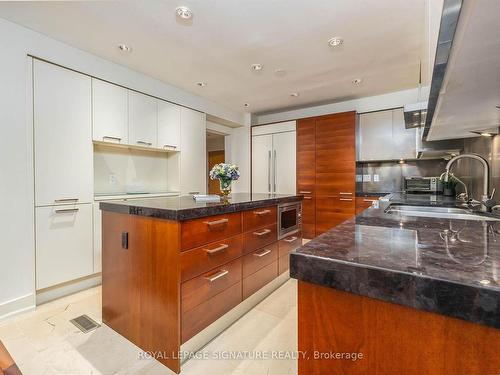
(294, 94)
(184, 12)
(201, 84)
(256, 67)
(246, 105)
(124, 48)
(484, 134)
(485, 282)
(335, 41)
(357, 81)
(280, 72)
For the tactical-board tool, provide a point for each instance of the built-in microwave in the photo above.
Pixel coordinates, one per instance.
(289, 218)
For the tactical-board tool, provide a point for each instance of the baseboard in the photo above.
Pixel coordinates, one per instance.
(220, 325)
(62, 290)
(16, 306)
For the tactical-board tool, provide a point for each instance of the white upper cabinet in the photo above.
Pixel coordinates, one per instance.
(169, 126)
(62, 135)
(193, 163)
(110, 112)
(404, 140)
(143, 119)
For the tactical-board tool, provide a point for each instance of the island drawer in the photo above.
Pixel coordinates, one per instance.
(258, 259)
(209, 311)
(289, 243)
(257, 280)
(197, 232)
(198, 290)
(258, 218)
(204, 258)
(259, 238)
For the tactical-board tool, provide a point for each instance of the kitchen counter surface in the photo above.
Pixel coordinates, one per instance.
(450, 267)
(185, 207)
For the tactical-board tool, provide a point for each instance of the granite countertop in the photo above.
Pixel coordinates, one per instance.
(185, 207)
(446, 266)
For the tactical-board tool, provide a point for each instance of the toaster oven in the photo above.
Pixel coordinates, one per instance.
(423, 185)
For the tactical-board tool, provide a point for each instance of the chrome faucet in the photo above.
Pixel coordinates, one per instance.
(487, 201)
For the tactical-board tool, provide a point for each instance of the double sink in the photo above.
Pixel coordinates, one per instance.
(438, 212)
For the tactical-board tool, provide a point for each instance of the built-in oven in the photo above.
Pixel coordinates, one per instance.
(289, 218)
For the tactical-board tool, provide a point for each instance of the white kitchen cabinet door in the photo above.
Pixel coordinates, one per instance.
(109, 112)
(169, 126)
(375, 138)
(262, 163)
(404, 140)
(62, 135)
(97, 238)
(142, 119)
(193, 164)
(63, 244)
(284, 166)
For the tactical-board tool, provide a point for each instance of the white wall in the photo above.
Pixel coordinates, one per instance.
(17, 258)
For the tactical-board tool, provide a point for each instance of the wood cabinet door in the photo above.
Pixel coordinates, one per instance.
(309, 217)
(306, 156)
(143, 119)
(332, 211)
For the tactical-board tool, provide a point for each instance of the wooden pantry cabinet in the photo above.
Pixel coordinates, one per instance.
(326, 168)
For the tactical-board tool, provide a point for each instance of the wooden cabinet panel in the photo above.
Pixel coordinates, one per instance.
(202, 259)
(257, 280)
(201, 231)
(209, 311)
(201, 288)
(259, 238)
(259, 258)
(309, 217)
(285, 247)
(362, 203)
(332, 211)
(258, 218)
(306, 156)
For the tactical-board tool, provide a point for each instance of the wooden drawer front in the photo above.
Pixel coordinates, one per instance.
(283, 264)
(201, 231)
(209, 311)
(257, 280)
(204, 258)
(258, 218)
(289, 243)
(259, 238)
(259, 258)
(207, 285)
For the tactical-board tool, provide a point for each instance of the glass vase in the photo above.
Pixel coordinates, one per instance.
(225, 187)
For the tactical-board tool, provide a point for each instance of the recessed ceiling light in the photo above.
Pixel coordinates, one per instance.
(124, 48)
(485, 282)
(357, 81)
(246, 105)
(201, 84)
(256, 67)
(280, 72)
(335, 41)
(184, 12)
(294, 94)
(484, 134)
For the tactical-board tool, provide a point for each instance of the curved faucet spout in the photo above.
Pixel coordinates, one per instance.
(486, 170)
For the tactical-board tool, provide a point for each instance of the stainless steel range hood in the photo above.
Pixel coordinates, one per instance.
(415, 115)
(438, 149)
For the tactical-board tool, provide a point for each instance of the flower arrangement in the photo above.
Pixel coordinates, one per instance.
(225, 173)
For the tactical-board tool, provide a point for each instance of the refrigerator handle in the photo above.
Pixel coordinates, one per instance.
(274, 170)
(269, 172)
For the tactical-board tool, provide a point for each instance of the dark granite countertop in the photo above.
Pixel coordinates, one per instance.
(446, 266)
(370, 194)
(185, 207)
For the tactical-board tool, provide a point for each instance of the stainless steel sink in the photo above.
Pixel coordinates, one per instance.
(439, 212)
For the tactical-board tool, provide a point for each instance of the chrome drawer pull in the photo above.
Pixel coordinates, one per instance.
(308, 198)
(110, 137)
(260, 255)
(169, 146)
(345, 199)
(66, 210)
(305, 192)
(217, 275)
(193, 192)
(263, 212)
(144, 143)
(291, 239)
(62, 200)
(370, 200)
(262, 233)
(345, 193)
(217, 222)
(217, 249)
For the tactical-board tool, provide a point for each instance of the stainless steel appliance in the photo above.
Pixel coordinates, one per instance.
(419, 184)
(289, 218)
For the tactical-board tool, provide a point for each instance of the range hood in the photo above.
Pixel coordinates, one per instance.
(415, 115)
(438, 149)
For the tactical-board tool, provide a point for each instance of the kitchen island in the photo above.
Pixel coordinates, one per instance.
(412, 295)
(175, 272)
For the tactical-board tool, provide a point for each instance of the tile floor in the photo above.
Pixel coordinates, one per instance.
(44, 342)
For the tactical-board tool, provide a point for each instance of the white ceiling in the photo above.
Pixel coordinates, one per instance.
(471, 88)
(383, 44)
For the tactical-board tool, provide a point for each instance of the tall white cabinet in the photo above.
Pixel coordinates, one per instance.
(63, 174)
(274, 158)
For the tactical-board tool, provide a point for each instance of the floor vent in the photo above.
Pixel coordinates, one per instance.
(85, 324)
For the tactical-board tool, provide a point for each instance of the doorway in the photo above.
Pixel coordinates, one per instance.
(216, 154)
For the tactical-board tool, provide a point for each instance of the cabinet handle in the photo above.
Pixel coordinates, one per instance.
(305, 192)
(63, 200)
(370, 200)
(217, 249)
(269, 172)
(345, 193)
(144, 143)
(308, 198)
(216, 222)
(345, 199)
(66, 210)
(217, 275)
(110, 137)
(291, 239)
(193, 192)
(169, 146)
(264, 253)
(275, 165)
(263, 212)
(262, 233)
